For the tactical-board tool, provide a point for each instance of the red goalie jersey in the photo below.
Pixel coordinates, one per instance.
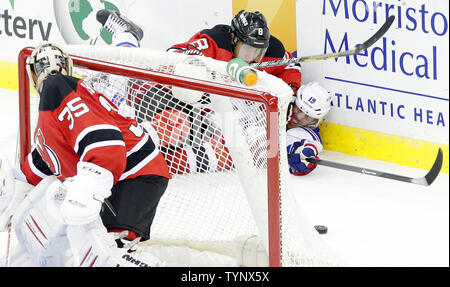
(78, 124)
(216, 43)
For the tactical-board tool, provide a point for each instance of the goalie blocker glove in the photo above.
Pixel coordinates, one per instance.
(85, 194)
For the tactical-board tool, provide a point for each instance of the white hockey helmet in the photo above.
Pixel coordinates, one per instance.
(46, 59)
(313, 100)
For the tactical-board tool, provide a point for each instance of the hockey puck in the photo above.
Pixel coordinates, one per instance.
(322, 229)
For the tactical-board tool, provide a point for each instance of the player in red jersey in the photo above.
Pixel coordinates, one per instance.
(248, 38)
(96, 154)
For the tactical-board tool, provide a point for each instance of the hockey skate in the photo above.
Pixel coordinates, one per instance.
(116, 23)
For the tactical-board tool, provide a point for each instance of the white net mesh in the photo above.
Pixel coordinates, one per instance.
(216, 149)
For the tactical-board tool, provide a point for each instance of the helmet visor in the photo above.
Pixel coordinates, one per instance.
(251, 54)
(44, 63)
(41, 65)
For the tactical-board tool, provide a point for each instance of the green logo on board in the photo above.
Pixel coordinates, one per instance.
(77, 22)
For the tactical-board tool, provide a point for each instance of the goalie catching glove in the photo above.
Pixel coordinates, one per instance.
(85, 193)
(298, 153)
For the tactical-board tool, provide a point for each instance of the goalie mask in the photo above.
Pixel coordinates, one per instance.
(251, 29)
(311, 104)
(47, 59)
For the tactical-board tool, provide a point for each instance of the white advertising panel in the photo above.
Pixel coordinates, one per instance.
(399, 85)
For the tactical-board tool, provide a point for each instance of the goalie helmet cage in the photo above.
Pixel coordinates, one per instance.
(224, 145)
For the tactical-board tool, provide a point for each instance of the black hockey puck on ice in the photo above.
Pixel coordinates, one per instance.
(322, 229)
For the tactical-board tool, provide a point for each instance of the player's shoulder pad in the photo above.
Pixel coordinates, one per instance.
(56, 88)
(297, 134)
(221, 35)
(275, 49)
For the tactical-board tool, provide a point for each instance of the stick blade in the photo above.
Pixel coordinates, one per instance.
(436, 168)
(433, 173)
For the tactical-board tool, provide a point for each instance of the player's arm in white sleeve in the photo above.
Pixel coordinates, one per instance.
(302, 143)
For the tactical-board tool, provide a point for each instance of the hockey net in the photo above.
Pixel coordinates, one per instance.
(225, 147)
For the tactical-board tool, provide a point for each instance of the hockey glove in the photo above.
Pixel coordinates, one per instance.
(298, 152)
(85, 193)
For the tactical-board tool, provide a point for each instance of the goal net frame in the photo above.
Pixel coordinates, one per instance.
(264, 203)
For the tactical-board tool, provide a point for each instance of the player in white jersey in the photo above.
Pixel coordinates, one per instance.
(307, 110)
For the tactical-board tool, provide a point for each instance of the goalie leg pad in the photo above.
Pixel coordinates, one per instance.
(93, 246)
(6, 183)
(20, 258)
(39, 227)
(12, 192)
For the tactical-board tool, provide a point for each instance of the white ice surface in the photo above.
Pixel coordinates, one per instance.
(371, 221)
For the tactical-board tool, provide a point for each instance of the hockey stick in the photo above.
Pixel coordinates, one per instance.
(110, 207)
(8, 243)
(426, 180)
(364, 46)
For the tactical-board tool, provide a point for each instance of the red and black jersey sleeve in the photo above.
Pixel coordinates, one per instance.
(213, 43)
(216, 43)
(290, 74)
(35, 168)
